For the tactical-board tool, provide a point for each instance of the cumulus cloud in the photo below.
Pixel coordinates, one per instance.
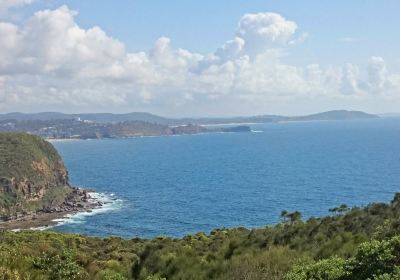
(49, 61)
(231, 49)
(265, 30)
(256, 33)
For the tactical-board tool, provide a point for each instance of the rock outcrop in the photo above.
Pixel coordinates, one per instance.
(32, 174)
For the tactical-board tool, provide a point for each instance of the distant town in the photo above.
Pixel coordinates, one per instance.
(86, 129)
(105, 125)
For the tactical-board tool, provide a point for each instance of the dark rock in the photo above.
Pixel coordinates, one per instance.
(240, 128)
(70, 204)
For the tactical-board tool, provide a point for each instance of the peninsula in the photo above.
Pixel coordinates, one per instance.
(84, 129)
(34, 183)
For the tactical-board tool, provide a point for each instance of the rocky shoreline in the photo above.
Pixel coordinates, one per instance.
(78, 200)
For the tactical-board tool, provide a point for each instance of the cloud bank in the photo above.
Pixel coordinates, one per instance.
(50, 62)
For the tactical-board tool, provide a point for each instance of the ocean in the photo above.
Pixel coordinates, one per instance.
(180, 185)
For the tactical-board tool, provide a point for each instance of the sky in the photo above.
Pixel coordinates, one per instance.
(199, 58)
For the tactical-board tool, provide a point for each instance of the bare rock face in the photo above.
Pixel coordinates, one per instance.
(32, 174)
(35, 190)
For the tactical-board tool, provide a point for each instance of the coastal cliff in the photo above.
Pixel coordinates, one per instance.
(33, 178)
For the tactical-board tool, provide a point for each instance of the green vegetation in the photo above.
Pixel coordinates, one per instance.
(19, 150)
(357, 243)
(32, 174)
(376, 259)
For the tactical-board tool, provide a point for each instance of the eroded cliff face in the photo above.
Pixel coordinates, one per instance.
(32, 189)
(32, 174)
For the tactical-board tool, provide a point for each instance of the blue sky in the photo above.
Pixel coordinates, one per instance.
(330, 34)
(202, 26)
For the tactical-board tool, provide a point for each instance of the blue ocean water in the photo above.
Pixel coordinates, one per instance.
(185, 184)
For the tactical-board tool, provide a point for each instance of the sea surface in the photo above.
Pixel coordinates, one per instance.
(179, 185)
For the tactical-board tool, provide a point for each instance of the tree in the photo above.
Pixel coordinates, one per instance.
(294, 217)
(284, 216)
(342, 209)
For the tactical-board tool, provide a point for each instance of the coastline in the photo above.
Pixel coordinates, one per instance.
(79, 201)
(51, 140)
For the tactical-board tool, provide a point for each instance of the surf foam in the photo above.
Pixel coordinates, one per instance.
(109, 203)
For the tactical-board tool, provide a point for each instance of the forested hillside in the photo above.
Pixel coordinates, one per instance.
(357, 243)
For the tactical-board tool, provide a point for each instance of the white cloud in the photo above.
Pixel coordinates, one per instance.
(350, 81)
(231, 49)
(256, 33)
(49, 62)
(264, 30)
(7, 4)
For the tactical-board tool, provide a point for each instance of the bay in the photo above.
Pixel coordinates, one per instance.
(179, 185)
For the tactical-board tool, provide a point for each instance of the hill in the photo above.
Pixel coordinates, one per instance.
(329, 115)
(33, 178)
(31, 173)
(151, 118)
(335, 115)
(94, 117)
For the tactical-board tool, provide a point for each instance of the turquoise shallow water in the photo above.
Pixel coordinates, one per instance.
(180, 185)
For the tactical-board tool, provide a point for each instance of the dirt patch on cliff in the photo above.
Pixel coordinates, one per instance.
(41, 166)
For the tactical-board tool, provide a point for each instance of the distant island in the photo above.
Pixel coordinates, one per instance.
(106, 125)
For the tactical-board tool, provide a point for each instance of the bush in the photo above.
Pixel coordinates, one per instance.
(7, 274)
(60, 267)
(327, 269)
(109, 275)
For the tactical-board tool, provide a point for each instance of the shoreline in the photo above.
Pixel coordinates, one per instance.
(78, 201)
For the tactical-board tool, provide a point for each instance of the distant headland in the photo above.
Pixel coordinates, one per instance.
(151, 118)
(51, 125)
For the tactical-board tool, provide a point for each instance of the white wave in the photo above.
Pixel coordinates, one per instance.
(257, 131)
(109, 203)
